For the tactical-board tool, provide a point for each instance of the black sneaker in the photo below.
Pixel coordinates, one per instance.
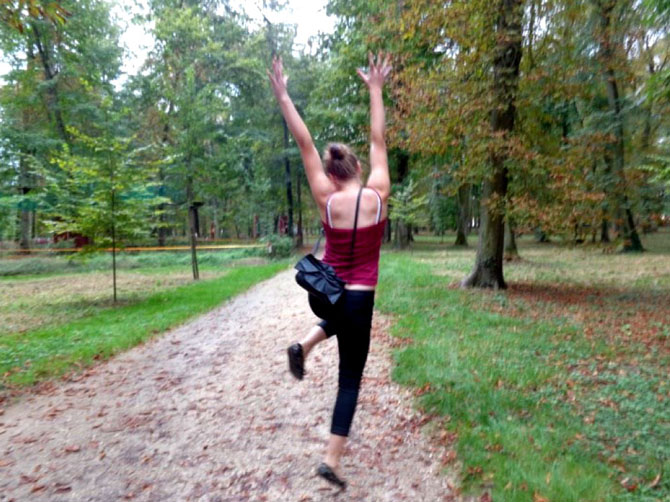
(329, 475)
(296, 361)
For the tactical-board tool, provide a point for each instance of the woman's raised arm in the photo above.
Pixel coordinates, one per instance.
(379, 170)
(319, 183)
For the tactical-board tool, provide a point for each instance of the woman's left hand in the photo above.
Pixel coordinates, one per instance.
(277, 78)
(378, 71)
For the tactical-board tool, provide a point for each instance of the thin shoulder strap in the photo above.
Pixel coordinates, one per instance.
(379, 205)
(353, 238)
(330, 221)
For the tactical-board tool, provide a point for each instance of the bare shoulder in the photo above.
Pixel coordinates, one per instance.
(375, 191)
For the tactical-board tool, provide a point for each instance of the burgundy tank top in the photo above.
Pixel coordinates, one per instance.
(361, 267)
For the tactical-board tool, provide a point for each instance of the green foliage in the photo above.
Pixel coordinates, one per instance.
(279, 246)
(104, 193)
(19, 12)
(407, 206)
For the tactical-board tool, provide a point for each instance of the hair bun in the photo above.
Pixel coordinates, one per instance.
(336, 152)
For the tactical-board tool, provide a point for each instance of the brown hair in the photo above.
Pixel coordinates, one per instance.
(340, 161)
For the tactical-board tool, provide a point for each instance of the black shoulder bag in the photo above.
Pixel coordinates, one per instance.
(319, 278)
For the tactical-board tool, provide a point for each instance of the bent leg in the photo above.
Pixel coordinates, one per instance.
(326, 312)
(316, 334)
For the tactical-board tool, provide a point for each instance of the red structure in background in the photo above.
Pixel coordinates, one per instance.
(282, 226)
(79, 240)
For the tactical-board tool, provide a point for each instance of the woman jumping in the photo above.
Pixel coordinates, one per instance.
(339, 191)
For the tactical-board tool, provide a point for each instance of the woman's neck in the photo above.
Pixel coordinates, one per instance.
(350, 185)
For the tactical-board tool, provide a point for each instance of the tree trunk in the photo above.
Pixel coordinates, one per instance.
(402, 231)
(53, 100)
(402, 234)
(511, 252)
(604, 231)
(24, 240)
(192, 228)
(615, 150)
(162, 217)
(463, 215)
(541, 235)
(488, 269)
(114, 239)
(299, 238)
(289, 191)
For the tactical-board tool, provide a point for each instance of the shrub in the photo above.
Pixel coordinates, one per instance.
(279, 246)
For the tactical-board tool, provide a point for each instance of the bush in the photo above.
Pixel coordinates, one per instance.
(279, 246)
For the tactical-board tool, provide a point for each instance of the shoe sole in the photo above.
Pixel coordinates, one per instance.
(327, 473)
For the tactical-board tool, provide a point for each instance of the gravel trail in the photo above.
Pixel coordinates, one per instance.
(209, 412)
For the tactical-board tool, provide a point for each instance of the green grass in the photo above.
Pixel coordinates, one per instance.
(51, 351)
(540, 412)
(40, 266)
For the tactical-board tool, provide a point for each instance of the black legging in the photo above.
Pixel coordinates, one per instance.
(350, 319)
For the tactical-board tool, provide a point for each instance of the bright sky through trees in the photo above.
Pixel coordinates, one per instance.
(309, 16)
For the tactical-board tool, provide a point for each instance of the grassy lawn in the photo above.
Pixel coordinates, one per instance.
(74, 323)
(40, 265)
(554, 390)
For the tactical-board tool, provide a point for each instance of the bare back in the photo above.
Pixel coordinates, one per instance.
(343, 206)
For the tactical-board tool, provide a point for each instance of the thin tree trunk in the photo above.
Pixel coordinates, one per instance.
(289, 191)
(511, 252)
(402, 231)
(25, 226)
(114, 242)
(605, 231)
(162, 216)
(622, 211)
(299, 236)
(403, 234)
(53, 100)
(463, 215)
(192, 228)
(488, 269)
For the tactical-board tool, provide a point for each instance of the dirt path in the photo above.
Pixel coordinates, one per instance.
(209, 412)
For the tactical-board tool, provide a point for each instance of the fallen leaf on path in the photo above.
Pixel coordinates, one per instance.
(37, 488)
(23, 479)
(62, 488)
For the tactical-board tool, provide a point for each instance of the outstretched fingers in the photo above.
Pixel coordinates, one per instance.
(379, 68)
(276, 75)
(362, 74)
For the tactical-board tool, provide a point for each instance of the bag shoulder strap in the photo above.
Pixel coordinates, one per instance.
(353, 237)
(318, 242)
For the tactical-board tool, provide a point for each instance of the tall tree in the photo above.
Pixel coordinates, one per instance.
(610, 48)
(488, 269)
(60, 72)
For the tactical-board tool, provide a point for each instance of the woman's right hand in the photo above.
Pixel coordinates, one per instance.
(378, 71)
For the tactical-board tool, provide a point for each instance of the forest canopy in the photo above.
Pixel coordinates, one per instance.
(513, 116)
